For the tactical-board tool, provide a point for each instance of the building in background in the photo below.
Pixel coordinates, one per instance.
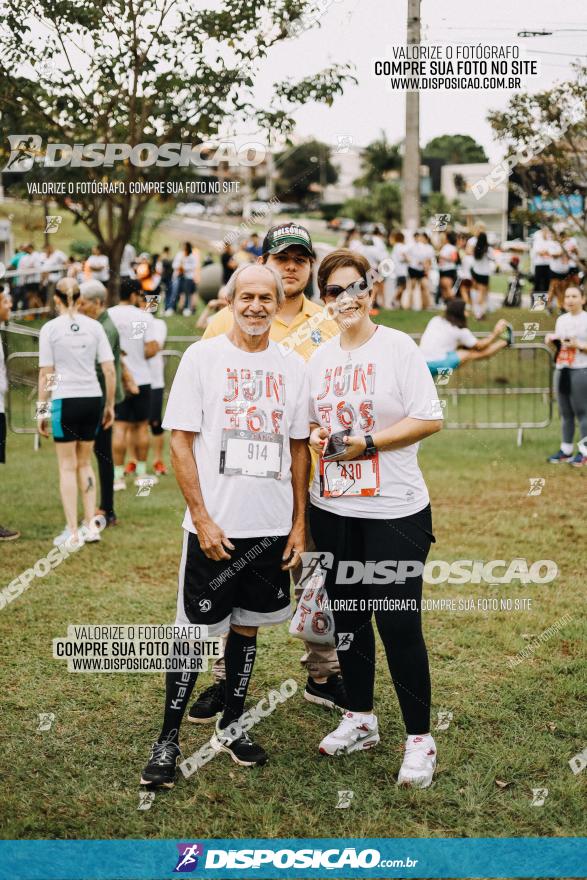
(491, 209)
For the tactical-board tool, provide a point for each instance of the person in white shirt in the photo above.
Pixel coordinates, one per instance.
(29, 273)
(138, 343)
(559, 272)
(157, 371)
(481, 269)
(186, 277)
(97, 266)
(54, 265)
(238, 413)
(447, 342)
(127, 260)
(448, 262)
(420, 261)
(6, 534)
(570, 342)
(540, 260)
(69, 348)
(399, 256)
(372, 399)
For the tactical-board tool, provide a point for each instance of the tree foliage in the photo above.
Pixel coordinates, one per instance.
(379, 159)
(158, 71)
(302, 170)
(382, 204)
(455, 149)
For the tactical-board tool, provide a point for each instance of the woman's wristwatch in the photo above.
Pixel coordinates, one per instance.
(370, 448)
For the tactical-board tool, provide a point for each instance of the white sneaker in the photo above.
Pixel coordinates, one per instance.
(168, 313)
(352, 734)
(187, 313)
(91, 533)
(419, 762)
(66, 537)
(120, 484)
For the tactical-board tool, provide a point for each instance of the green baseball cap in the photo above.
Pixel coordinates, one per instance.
(286, 235)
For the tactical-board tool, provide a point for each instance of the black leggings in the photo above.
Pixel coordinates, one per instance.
(103, 453)
(378, 540)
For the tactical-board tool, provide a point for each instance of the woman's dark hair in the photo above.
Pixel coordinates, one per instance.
(455, 313)
(481, 246)
(398, 237)
(451, 237)
(336, 260)
(187, 248)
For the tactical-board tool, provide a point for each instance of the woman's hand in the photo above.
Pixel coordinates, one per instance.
(355, 448)
(108, 417)
(43, 427)
(318, 440)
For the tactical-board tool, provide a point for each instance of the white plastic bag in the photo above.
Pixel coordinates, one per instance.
(313, 620)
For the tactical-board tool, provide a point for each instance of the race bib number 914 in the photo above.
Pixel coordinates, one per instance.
(251, 454)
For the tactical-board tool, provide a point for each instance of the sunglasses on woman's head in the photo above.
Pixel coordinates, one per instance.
(358, 289)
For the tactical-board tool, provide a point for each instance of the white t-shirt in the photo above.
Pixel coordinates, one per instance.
(571, 248)
(28, 268)
(464, 267)
(539, 243)
(72, 345)
(54, 264)
(399, 255)
(559, 259)
(369, 389)
(99, 265)
(3, 377)
(135, 327)
(419, 253)
(484, 266)
(572, 327)
(447, 257)
(189, 262)
(219, 387)
(441, 337)
(156, 364)
(128, 255)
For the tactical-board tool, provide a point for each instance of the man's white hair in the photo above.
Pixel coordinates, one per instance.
(230, 289)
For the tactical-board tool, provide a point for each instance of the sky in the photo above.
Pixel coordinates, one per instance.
(358, 31)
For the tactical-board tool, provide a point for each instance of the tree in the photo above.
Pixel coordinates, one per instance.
(437, 203)
(455, 149)
(155, 72)
(383, 205)
(379, 159)
(304, 170)
(545, 135)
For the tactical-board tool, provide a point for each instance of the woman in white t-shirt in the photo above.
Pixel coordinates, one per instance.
(399, 256)
(69, 347)
(482, 264)
(448, 262)
(97, 266)
(559, 271)
(420, 261)
(372, 399)
(447, 342)
(570, 341)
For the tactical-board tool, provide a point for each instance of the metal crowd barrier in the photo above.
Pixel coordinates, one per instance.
(511, 390)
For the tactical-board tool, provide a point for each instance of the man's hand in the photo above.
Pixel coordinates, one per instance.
(296, 545)
(212, 539)
(108, 417)
(318, 440)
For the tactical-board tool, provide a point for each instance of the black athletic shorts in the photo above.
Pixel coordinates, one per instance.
(400, 281)
(480, 279)
(135, 407)
(558, 276)
(76, 418)
(2, 438)
(449, 273)
(415, 273)
(249, 589)
(156, 411)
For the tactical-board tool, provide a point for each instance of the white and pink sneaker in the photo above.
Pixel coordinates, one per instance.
(355, 732)
(419, 761)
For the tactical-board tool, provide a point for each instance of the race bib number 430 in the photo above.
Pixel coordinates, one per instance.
(357, 477)
(250, 453)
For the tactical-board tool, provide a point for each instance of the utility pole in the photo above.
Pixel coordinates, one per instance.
(411, 163)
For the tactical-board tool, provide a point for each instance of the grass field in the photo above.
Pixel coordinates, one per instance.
(513, 729)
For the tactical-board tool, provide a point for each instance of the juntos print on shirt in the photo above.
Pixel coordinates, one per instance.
(248, 397)
(344, 381)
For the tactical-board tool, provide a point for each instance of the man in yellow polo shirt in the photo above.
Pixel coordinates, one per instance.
(301, 325)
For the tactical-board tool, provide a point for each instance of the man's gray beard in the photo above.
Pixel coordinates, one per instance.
(257, 331)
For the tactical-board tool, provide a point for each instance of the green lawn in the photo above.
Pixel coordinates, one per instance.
(517, 725)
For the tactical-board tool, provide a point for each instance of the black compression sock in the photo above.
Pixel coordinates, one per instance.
(178, 689)
(239, 657)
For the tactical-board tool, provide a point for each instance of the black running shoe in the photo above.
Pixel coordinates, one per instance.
(160, 770)
(208, 705)
(330, 694)
(241, 749)
(8, 534)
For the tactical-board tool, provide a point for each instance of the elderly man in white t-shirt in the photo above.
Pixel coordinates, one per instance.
(238, 413)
